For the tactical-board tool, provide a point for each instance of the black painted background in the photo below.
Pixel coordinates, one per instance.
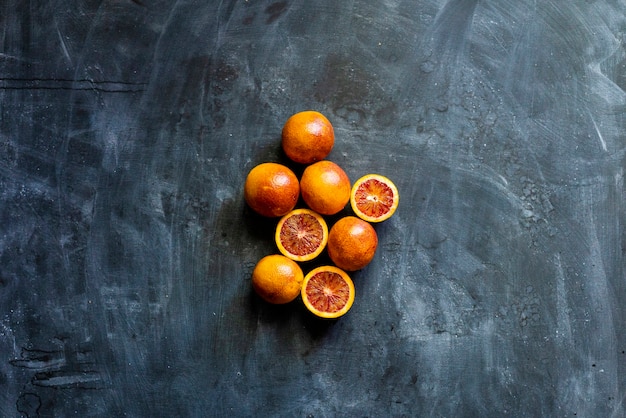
(127, 129)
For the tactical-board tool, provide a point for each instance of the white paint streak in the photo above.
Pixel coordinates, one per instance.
(600, 137)
(12, 57)
(79, 378)
(66, 52)
(563, 328)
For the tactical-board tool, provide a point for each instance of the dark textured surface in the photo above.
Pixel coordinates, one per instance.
(127, 129)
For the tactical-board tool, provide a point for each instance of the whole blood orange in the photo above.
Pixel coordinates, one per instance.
(301, 234)
(277, 279)
(374, 198)
(327, 292)
(271, 189)
(307, 137)
(352, 243)
(325, 187)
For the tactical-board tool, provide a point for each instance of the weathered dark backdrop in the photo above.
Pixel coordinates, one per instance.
(127, 129)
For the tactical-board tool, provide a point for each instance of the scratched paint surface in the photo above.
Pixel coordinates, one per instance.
(127, 129)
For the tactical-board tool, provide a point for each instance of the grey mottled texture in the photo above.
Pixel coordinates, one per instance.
(127, 129)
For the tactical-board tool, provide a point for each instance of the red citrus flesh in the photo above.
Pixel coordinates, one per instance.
(301, 235)
(328, 292)
(374, 198)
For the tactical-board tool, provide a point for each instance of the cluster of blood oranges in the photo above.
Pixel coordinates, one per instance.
(273, 190)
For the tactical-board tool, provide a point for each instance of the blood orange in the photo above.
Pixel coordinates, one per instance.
(327, 292)
(271, 189)
(325, 187)
(301, 234)
(352, 243)
(307, 137)
(277, 279)
(374, 198)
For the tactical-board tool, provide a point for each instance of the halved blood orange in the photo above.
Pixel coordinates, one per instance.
(374, 198)
(328, 292)
(301, 234)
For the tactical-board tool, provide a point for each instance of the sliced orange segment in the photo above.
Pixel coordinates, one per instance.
(374, 198)
(328, 292)
(301, 234)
